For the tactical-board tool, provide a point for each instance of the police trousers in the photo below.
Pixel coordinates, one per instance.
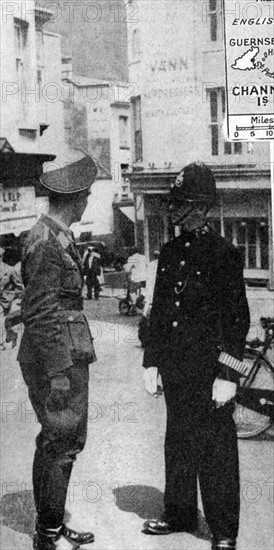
(62, 437)
(200, 444)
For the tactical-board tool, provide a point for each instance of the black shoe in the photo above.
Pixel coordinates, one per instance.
(77, 538)
(222, 543)
(165, 527)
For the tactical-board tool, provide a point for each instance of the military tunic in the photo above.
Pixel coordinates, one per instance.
(199, 310)
(56, 340)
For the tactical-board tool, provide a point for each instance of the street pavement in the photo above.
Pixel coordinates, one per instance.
(118, 480)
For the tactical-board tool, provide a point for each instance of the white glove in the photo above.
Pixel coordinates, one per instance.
(223, 391)
(150, 378)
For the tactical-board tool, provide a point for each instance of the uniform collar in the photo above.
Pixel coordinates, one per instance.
(62, 225)
(196, 233)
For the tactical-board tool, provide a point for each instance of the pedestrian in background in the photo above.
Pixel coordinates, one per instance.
(56, 349)
(92, 270)
(143, 327)
(150, 282)
(136, 267)
(10, 292)
(198, 326)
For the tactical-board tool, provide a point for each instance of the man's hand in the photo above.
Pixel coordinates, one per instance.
(150, 378)
(223, 391)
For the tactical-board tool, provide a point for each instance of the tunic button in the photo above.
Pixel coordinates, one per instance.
(177, 304)
(175, 324)
(70, 318)
(187, 244)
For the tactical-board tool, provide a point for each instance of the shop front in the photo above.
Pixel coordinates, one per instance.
(20, 204)
(242, 215)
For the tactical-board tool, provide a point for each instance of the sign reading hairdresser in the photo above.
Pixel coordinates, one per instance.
(249, 48)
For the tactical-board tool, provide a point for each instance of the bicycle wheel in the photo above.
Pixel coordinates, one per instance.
(250, 423)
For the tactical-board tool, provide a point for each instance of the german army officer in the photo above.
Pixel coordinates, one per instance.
(56, 349)
(198, 325)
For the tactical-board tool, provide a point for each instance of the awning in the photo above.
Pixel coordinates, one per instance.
(16, 226)
(129, 212)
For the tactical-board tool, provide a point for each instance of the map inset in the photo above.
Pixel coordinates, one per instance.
(247, 61)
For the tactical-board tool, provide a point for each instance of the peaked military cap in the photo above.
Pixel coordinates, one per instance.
(195, 182)
(71, 178)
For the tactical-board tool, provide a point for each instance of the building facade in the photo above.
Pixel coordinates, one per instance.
(32, 130)
(97, 121)
(176, 57)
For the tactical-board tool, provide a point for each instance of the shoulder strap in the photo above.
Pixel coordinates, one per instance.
(61, 238)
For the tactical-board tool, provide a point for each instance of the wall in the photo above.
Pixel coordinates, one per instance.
(94, 33)
(174, 68)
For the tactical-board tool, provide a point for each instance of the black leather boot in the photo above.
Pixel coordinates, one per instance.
(223, 544)
(47, 539)
(77, 538)
(166, 526)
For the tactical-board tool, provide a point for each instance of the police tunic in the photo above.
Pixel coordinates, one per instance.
(199, 312)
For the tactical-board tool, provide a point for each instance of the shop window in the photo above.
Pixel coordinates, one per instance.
(137, 129)
(217, 114)
(123, 132)
(250, 236)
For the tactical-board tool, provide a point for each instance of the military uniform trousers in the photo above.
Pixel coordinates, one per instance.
(200, 443)
(62, 437)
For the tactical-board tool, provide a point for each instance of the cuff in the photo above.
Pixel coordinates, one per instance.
(233, 363)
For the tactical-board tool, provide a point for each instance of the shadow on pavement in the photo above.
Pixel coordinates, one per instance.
(17, 512)
(147, 502)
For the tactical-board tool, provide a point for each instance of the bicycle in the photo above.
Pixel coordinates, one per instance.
(126, 305)
(254, 410)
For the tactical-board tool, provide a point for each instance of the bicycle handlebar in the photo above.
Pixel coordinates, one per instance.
(256, 343)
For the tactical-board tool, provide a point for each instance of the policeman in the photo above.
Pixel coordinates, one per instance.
(56, 349)
(198, 325)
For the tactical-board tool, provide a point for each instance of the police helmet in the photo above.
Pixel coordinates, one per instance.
(195, 183)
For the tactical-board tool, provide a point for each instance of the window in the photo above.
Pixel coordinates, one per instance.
(217, 114)
(137, 129)
(40, 48)
(20, 39)
(125, 182)
(28, 133)
(212, 7)
(123, 132)
(136, 49)
(250, 236)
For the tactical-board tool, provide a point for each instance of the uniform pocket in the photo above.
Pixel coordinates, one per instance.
(77, 336)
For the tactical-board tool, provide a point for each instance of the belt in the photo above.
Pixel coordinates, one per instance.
(72, 303)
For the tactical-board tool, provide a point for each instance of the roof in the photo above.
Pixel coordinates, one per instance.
(79, 80)
(6, 149)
